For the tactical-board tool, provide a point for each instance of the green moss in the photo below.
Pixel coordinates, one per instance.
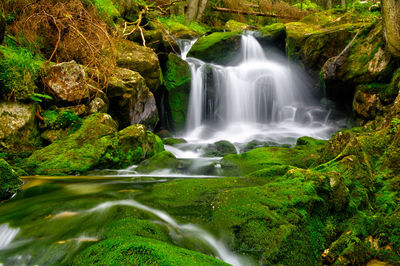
(218, 47)
(219, 149)
(273, 30)
(140, 251)
(162, 160)
(233, 25)
(62, 120)
(173, 141)
(9, 181)
(177, 81)
(106, 8)
(180, 25)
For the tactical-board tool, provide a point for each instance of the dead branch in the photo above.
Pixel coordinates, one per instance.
(242, 12)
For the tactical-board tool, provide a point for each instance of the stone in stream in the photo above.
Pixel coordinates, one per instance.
(10, 183)
(161, 161)
(219, 149)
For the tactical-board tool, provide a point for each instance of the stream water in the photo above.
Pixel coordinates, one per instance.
(257, 99)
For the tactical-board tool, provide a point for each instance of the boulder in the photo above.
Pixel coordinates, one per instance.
(364, 60)
(131, 101)
(218, 47)
(366, 105)
(177, 82)
(17, 124)
(2, 27)
(136, 144)
(163, 160)
(274, 34)
(219, 149)
(79, 152)
(52, 135)
(97, 105)
(140, 59)
(10, 183)
(67, 82)
(173, 141)
(233, 25)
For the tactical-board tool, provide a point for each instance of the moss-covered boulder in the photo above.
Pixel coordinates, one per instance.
(18, 128)
(2, 27)
(364, 60)
(219, 149)
(366, 105)
(10, 183)
(79, 152)
(218, 47)
(233, 25)
(274, 34)
(173, 141)
(136, 144)
(177, 83)
(161, 161)
(304, 154)
(140, 59)
(297, 34)
(131, 101)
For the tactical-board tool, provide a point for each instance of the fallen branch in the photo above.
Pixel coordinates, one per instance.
(227, 10)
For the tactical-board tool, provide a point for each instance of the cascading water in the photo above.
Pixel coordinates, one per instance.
(257, 99)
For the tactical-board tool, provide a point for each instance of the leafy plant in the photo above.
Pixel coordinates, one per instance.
(181, 23)
(37, 97)
(55, 119)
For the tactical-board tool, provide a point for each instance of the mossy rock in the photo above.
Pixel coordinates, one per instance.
(274, 34)
(177, 82)
(10, 183)
(173, 141)
(79, 152)
(219, 149)
(162, 160)
(233, 25)
(140, 251)
(218, 47)
(304, 154)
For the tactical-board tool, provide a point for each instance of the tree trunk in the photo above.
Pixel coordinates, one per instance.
(344, 3)
(193, 8)
(391, 21)
(202, 7)
(329, 5)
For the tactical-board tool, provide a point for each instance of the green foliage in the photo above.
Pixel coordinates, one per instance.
(9, 180)
(55, 119)
(19, 69)
(176, 23)
(37, 97)
(106, 8)
(308, 5)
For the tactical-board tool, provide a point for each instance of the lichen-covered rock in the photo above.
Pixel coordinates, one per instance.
(17, 124)
(177, 83)
(141, 59)
(136, 144)
(10, 183)
(79, 152)
(2, 27)
(162, 160)
(218, 47)
(131, 101)
(67, 82)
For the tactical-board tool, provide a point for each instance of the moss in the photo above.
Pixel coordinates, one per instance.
(218, 47)
(162, 160)
(173, 141)
(177, 82)
(219, 149)
(304, 154)
(272, 31)
(233, 25)
(179, 26)
(140, 251)
(62, 120)
(10, 183)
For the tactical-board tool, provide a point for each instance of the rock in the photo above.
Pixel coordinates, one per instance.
(128, 9)
(173, 141)
(233, 25)
(136, 143)
(297, 34)
(162, 160)
(366, 105)
(131, 101)
(52, 135)
(177, 82)
(219, 149)
(67, 82)
(364, 60)
(79, 152)
(78, 110)
(97, 105)
(141, 59)
(218, 47)
(17, 124)
(274, 34)
(10, 183)
(2, 27)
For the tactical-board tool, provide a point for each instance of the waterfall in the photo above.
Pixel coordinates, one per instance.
(259, 97)
(7, 235)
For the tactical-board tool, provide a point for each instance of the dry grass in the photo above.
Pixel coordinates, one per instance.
(62, 30)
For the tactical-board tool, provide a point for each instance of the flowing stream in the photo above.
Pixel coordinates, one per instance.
(260, 98)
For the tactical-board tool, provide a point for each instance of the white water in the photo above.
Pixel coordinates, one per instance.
(220, 250)
(7, 235)
(258, 99)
